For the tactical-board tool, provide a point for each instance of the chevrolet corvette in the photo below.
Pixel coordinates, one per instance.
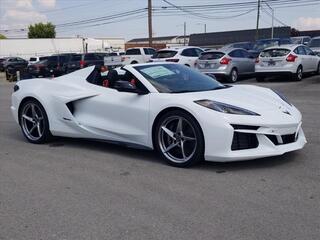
(183, 114)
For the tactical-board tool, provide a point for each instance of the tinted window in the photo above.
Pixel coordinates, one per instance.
(189, 52)
(43, 58)
(63, 59)
(113, 54)
(308, 51)
(33, 59)
(278, 52)
(211, 55)
(296, 40)
(134, 51)
(245, 54)
(149, 51)
(285, 41)
(90, 57)
(75, 57)
(165, 54)
(236, 54)
(174, 78)
(300, 51)
(53, 59)
(315, 43)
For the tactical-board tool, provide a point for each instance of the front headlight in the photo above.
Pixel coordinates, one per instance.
(283, 97)
(225, 108)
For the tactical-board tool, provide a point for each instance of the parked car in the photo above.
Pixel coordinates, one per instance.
(226, 63)
(293, 60)
(183, 114)
(2, 60)
(55, 65)
(244, 45)
(138, 55)
(78, 61)
(13, 64)
(182, 55)
(314, 45)
(301, 40)
(262, 44)
(33, 60)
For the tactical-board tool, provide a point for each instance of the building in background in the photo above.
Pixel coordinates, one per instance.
(218, 39)
(159, 42)
(27, 48)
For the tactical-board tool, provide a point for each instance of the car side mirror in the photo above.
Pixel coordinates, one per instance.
(125, 86)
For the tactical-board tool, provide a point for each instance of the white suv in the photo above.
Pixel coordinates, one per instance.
(138, 55)
(293, 60)
(182, 55)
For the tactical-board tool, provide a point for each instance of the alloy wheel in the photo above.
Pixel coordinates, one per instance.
(32, 121)
(177, 139)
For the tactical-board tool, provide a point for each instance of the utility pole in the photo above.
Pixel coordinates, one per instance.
(184, 33)
(150, 22)
(205, 28)
(272, 11)
(258, 18)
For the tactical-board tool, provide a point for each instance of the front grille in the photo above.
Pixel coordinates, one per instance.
(290, 138)
(247, 127)
(243, 141)
(286, 139)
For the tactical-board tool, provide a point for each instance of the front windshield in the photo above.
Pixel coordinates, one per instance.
(296, 40)
(263, 44)
(175, 78)
(315, 43)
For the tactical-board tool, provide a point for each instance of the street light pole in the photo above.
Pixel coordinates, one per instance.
(150, 22)
(258, 18)
(184, 33)
(272, 11)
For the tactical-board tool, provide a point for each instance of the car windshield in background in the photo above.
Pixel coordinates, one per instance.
(165, 54)
(33, 59)
(315, 43)
(43, 58)
(76, 57)
(260, 45)
(211, 55)
(275, 52)
(296, 40)
(175, 78)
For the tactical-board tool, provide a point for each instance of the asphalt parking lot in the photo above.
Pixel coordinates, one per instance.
(76, 189)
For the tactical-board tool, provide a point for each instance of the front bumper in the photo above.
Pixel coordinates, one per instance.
(270, 143)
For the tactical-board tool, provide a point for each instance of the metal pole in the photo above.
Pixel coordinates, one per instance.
(258, 17)
(150, 22)
(205, 28)
(272, 29)
(184, 33)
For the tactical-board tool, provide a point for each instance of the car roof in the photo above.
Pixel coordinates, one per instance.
(180, 48)
(317, 37)
(288, 46)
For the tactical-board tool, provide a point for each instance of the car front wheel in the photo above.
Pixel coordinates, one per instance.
(34, 122)
(179, 139)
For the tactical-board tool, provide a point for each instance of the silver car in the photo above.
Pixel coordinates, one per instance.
(290, 60)
(314, 45)
(226, 63)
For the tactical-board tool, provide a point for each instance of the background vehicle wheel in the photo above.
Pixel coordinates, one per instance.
(178, 138)
(34, 122)
(187, 65)
(299, 74)
(260, 79)
(233, 77)
(134, 62)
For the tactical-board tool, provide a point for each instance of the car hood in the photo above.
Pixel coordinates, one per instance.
(256, 99)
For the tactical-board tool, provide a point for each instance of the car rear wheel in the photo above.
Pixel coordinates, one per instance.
(34, 122)
(299, 74)
(318, 69)
(134, 62)
(179, 139)
(233, 77)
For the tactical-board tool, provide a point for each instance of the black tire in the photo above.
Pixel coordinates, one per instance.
(318, 69)
(187, 65)
(46, 134)
(260, 79)
(191, 130)
(298, 75)
(134, 62)
(234, 76)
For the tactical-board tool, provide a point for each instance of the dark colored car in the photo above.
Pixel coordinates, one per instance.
(13, 64)
(262, 44)
(245, 45)
(55, 65)
(1, 64)
(85, 60)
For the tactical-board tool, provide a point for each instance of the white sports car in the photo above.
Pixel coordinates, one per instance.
(185, 115)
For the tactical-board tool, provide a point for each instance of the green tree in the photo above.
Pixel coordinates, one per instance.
(2, 36)
(42, 30)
